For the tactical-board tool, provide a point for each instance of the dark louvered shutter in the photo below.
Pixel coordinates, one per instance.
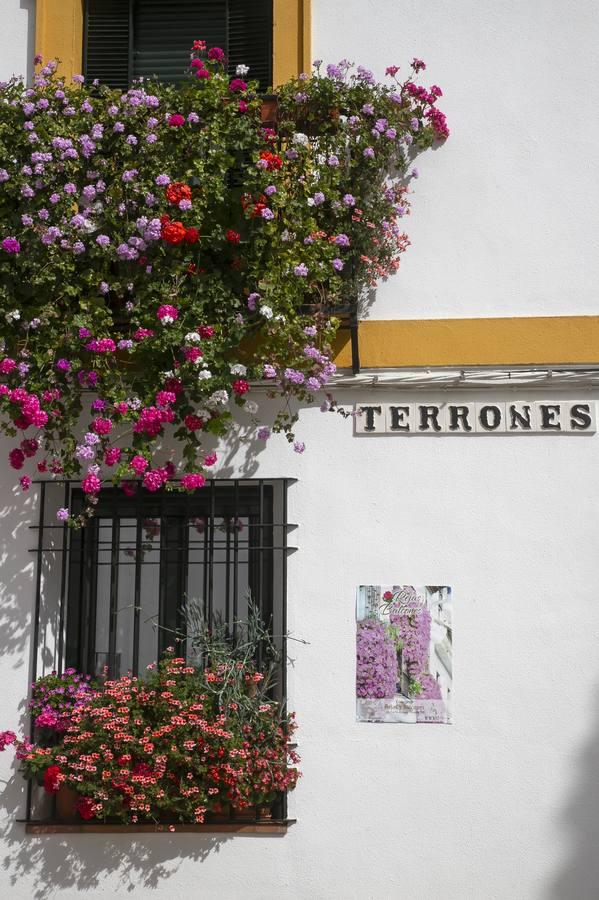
(126, 39)
(250, 39)
(164, 33)
(106, 42)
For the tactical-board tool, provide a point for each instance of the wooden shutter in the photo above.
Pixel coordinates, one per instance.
(126, 39)
(106, 42)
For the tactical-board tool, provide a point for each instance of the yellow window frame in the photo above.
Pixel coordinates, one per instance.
(59, 35)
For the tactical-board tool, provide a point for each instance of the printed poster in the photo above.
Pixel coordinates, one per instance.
(404, 654)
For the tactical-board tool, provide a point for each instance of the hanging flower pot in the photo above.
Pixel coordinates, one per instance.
(66, 800)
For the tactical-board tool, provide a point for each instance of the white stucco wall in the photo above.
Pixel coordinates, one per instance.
(17, 38)
(503, 219)
(502, 804)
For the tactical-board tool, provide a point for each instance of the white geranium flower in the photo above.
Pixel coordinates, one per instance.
(280, 318)
(266, 311)
(192, 337)
(242, 70)
(252, 407)
(218, 398)
(238, 369)
(300, 138)
(13, 316)
(204, 375)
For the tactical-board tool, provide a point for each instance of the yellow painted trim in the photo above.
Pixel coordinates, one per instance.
(473, 342)
(292, 32)
(59, 34)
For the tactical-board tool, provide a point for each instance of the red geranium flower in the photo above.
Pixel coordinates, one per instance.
(272, 160)
(178, 191)
(173, 232)
(240, 386)
(85, 807)
(233, 237)
(52, 779)
(192, 235)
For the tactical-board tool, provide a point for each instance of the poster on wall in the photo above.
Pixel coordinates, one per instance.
(403, 654)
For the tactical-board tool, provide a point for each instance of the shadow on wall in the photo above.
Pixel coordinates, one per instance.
(49, 864)
(17, 591)
(579, 877)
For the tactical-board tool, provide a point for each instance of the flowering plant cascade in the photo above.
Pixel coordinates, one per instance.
(160, 250)
(169, 747)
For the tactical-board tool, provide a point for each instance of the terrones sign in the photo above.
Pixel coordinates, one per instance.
(511, 417)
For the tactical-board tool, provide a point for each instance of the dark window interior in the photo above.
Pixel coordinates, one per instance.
(129, 39)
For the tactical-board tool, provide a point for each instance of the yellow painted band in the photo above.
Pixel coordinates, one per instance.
(473, 342)
(292, 27)
(59, 35)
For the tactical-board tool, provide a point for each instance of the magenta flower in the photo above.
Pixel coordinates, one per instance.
(193, 481)
(167, 314)
(11, 245)
(91, 484)
(176, 120)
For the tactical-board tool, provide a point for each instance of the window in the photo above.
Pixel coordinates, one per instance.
(114, 594)
(128, 39)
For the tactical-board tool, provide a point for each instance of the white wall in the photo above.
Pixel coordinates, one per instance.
(17, 38)
(504, 215)
(502, 805)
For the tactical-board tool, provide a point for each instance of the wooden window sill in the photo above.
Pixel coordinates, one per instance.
(275, 826)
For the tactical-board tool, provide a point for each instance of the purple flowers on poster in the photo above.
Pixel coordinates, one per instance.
(404, 654)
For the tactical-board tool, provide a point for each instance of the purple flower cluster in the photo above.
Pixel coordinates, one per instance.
(376, 661)
(55, 697)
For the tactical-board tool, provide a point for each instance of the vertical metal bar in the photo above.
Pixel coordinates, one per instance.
(260, 546)
(162, 599)
(90, 551)
(114, 594)
(235, 561)
(205, 568)
(184, 563)
(63, 580)
(36, 625)
(137, 589)
(211, 550)
(284, 596)
(228, 564)
(260, 551)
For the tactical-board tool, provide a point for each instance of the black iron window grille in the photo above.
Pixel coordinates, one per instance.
(113, 596)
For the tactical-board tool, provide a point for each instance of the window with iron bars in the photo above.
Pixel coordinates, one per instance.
(111, 597)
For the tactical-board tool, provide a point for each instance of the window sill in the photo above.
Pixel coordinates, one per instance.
(275, 826)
